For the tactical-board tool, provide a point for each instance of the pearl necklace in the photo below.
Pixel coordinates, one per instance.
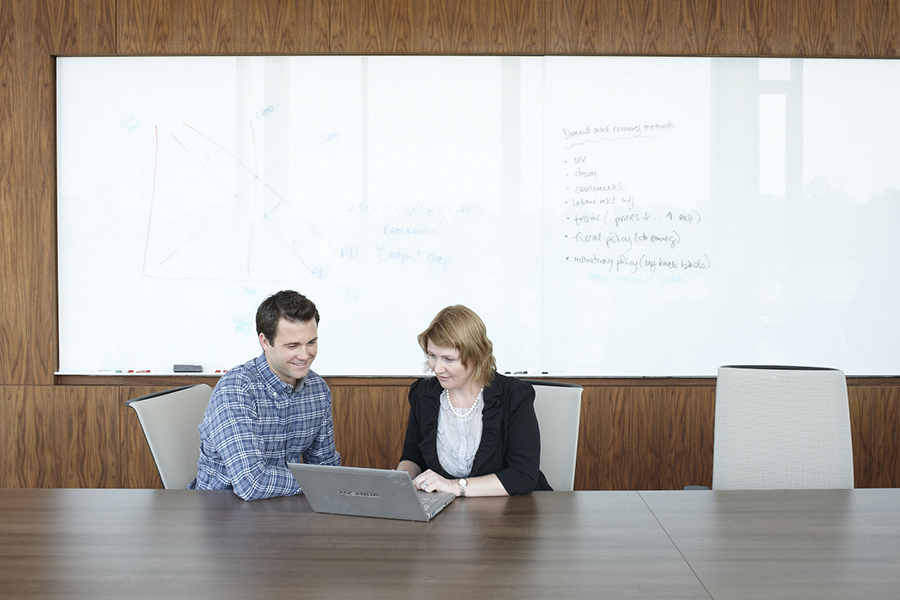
(463, 415)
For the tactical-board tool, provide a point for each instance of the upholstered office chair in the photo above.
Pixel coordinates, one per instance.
(558, 409)
(782, 428)
(170, 420)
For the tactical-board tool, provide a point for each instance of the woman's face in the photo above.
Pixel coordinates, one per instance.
(447, 367)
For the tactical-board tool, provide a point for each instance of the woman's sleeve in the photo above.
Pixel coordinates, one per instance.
(411, 448)
(523, 449)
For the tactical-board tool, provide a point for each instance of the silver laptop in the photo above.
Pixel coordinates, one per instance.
(361, 492)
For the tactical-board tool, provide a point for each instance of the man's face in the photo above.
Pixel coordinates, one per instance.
(293, 350)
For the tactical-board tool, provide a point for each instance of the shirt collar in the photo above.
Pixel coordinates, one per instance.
(272, 381)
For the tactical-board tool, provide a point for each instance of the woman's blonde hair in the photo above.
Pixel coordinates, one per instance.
(460, 328)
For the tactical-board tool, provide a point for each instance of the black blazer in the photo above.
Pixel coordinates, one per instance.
(510, 440)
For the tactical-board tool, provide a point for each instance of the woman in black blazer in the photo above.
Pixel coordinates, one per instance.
(471, 431)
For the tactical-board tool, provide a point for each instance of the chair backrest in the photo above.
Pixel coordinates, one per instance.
(558, 409)
(170, 421)
(782, 428)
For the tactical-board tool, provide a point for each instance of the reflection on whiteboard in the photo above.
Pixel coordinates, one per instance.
(620, 216)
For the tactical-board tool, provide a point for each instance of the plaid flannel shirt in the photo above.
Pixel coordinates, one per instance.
(255, 424)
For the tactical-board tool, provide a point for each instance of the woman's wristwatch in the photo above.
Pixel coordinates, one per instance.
(462, 486)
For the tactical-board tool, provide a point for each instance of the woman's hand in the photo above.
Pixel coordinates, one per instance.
(429, 481)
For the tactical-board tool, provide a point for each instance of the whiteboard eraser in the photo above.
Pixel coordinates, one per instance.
(187, 369)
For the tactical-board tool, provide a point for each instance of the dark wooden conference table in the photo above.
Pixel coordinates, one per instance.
(84, 543)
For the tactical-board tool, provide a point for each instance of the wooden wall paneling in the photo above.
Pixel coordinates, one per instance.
(608, 452)
(31, 204)
(573, 27)
(377, 26)
(886, 460)
(58, 437)
(636, 27)
(455, 27)
(888, 18)
(209, 26)
(682, 438)
(314, 26)
(861, 418)
(136, 466)
(516, 27)
(593, 447)
(369, 424)
(77, 26)
(647, 429)
(10, 104)
(713, 27)
(152, 26)
(282, 26)
(860, 426)
(875, 426)
(267, 27)
(652, 27)
(645, 438)
(10, 401)
(32, 432)
(877, 27)
(812, 24)
(89, 452)
(829, 28)
(37, 440)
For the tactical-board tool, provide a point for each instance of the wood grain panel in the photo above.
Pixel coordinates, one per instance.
(11, 399)
(152, 26)
(90, 448)
(606, 443)
(875, 28)
(645, 438)
(10, 245)
(652, 27)
(875, 422)
(282, 26)
(682, 442)
(377, 26)
(35, 453)
(30, 207)
(58, 437)
(573, 27)
(268, 27)
(712, 27)
(77, 26)
(370, 424)
(829, 28)
(209, 27)
(454, 27)
(636, 28)
(861, 417)
(516, 27)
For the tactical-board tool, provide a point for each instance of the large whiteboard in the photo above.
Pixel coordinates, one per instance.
(606, 216)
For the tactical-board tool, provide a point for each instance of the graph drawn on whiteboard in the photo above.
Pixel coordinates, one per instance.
(237, 194)
(241, 220)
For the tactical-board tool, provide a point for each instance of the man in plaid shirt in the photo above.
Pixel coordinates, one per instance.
(271, 410)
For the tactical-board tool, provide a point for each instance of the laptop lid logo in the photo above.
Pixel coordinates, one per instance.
(359, 494)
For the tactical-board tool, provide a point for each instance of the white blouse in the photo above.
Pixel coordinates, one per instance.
(458, 437)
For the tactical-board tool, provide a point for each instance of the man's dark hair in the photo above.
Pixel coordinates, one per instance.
(294, 307)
